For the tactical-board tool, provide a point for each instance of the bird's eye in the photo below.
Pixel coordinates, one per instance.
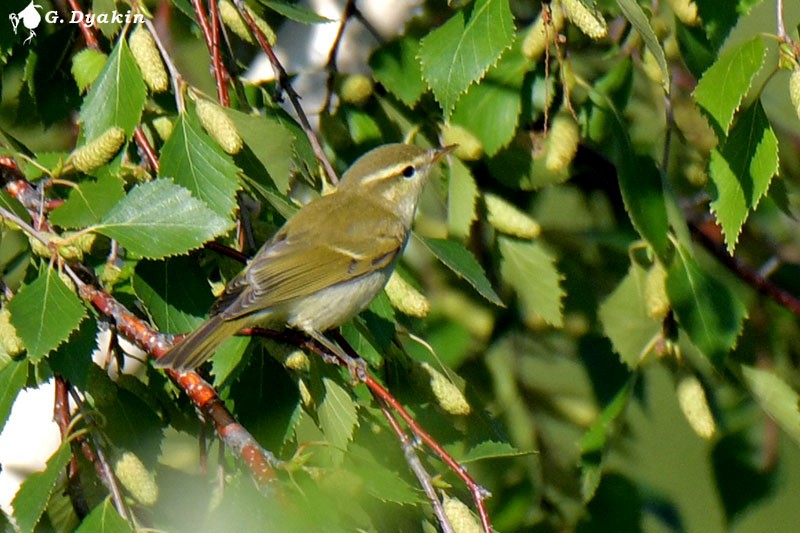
(409, 172)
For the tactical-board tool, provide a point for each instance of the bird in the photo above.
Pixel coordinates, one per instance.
(328, 261)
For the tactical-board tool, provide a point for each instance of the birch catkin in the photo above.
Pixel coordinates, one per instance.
(219, 126)
(99, 151)
(146, 54)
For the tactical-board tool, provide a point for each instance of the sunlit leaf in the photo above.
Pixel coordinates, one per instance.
(104, 519)
(460, 52)
(34, 494)
(12, 379)
(723, 86)
(159, 218)
(87, 66)
(117, 97)
(463, 264)
(88, 202)
(742, 169)
(461, 198)
(196, 162)
(531, 270)
(491, 109)
(338, 416)
(45, 313)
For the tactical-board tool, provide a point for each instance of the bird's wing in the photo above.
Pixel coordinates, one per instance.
(338, 253)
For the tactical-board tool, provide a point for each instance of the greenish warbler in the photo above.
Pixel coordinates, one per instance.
(328, 262)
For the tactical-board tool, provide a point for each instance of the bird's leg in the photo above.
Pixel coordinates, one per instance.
(355, 365)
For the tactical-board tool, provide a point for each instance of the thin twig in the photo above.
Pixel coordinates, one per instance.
(61, 415)
(88, 33)
(416, 466)
(479, 494)
(211, 35)
(330, 64)
(745, 271)
(782, 35)
(147, 149)
(285, 85)
(108, 477)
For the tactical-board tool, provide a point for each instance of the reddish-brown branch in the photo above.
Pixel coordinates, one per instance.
(210, 30)
(221, 75)
(707, 236)
(62, 417)
(416, 466)
(203, 395)
(88, 35)
(479, 494)
(227, 251)
(147, 149)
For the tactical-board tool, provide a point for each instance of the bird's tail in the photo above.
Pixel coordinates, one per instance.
(199, 345)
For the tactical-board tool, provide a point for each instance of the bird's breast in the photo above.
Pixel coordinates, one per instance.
(335, 305)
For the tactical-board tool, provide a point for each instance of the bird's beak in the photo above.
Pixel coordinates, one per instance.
(438, 153)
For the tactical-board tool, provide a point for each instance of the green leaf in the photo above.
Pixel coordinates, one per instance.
(196, 162)
(742, 169)
(270, 142)
(696, 51)
(45, 313)
(337, 414)
(159, 219)
(128, 414)
(295, 12)
(72, 359)
(718, 18)
(87, 66)
(531, 270)
(706, 309)
(362, 344)
(490, 450)
(14, 206)
(116, 98)
(174, 292)
(723, 86)
(88, 202)
(776, 398)
(380, 481)
(625, 319)
(12, 379)
(491, 109)
(458, 259)
(104, 519)
(457, 54)
(609, 96)
(596, 440)
(639, 20)
(34, 494)
(462, 193)
(396, 67)
(643, 195)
